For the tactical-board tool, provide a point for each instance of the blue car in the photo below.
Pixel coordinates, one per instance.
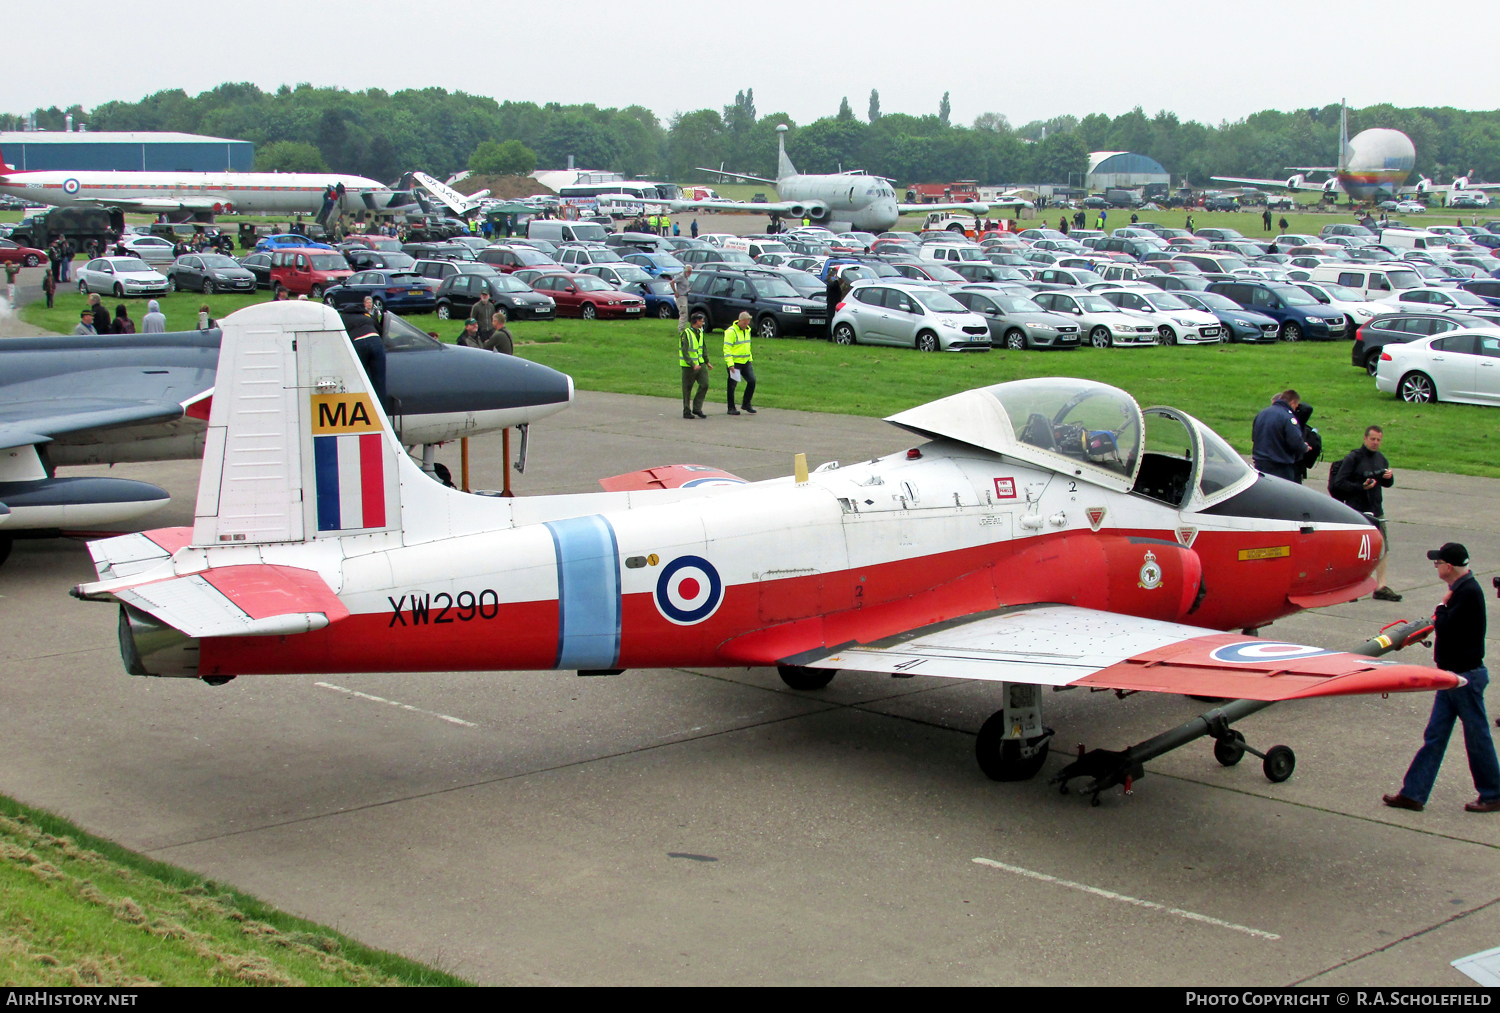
(288, 241)
(658, 265)
(1239, 323)
(1298, 314)
(402, 291)
(1487, 289)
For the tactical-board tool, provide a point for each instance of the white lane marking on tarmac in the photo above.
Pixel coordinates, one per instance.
(396, 703)
(1111, 895)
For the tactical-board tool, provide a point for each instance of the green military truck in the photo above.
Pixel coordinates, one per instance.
(78, 224)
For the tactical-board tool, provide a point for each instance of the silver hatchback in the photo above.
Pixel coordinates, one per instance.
(913, 316)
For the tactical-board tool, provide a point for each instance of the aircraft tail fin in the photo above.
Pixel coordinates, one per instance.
(5, 166)
(784, 166)
(1343, 136)
(298, 445)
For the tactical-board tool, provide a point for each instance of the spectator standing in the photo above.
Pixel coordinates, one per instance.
(469, 337)
(85, 323)
(1277, 442)
(737, 362)
(373, 313)
(1283, 224)
(1459, 627)
(500, 339)
(54, 260)
(205, 322)
(154, 322)
(11, 270)
(834, 294)
(681, 285)
(693, 359)
(693, 230)
(483, 312)
(49, 286)
(1265, 217)
(122, 323)
(102, 323)
(1358, 480)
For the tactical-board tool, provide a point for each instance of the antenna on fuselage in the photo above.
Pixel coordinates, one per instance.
(784, 166)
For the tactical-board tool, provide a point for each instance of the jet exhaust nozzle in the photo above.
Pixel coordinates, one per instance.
(149, 646)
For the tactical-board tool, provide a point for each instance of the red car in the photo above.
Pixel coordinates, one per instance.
(583, 295)
(13, 253)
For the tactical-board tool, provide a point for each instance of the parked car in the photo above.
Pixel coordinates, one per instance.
(1449, 299)
(307, 272)
(712, 255)
(209, 273)
(775, 307)
(915, 316)
(1401, 327)
(1411, 207)
(438, 251)
(1346, 300)
(1300, 315)
(435, 272)
(378, 260)
(1104, 322)
(1240, 324)
(258, 264)
(661, 302)
(1485, 288)
(1065, 277)
(583, 295)
(1176, 321)
(1017, 323)
(120, 277)
(151, 249)
(508, 259)
(1462, 366)
(457, 294)
(15, 253)
(401, 291)
(288, 241)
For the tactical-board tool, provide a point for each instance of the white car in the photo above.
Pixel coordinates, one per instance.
(1106, 325)
(1345, 300)
(1176, 322)
(121, 276)
(1459, 366)
(914, 316)
(151, 249)
(1447, 300)
(1411, 207)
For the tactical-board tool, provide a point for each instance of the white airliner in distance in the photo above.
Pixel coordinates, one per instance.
(187, 193)
(847, 200)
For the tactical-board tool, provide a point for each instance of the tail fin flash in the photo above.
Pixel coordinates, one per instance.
(298, 446)
(784, 166)
(5, 166)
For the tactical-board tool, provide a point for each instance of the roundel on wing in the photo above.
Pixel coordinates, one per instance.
(70, 186)
(1262, 652)
(689, 590)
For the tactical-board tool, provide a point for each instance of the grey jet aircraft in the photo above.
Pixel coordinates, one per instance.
(72, 400)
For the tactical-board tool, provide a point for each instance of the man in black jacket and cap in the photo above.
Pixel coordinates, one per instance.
(1357, 480)
(1459, 626)
(1277, 443)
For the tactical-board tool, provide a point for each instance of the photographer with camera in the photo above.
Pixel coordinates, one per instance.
(1357, 480)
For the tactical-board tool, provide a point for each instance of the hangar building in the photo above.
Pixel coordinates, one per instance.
(1123, 170)
(140, 151)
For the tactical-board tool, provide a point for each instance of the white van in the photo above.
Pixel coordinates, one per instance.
(1411, 239)
(558, 231)
(952, 253)
(1376, 282)
(755, 247)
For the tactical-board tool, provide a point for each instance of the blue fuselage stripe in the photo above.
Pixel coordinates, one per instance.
(588, 593)
(326, 466)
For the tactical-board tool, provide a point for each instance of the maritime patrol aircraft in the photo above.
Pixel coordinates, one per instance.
(843, 200)
(70, 400)
(1042, 533)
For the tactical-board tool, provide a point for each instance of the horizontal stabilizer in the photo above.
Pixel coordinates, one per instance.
(671, 476)
(256, 599)
(1063, 645)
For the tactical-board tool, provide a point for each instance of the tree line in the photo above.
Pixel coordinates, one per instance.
(379, 134)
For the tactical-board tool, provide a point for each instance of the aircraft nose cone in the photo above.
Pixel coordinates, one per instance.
(455, 379)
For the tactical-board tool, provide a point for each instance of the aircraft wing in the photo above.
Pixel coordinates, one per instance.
(255, 599)
(739, 175)
(795, 209)
(1063, 645)
(28, 422)
(456, 202)
(671, 476)
(151, 205)
(970, 207)
(1280, 184)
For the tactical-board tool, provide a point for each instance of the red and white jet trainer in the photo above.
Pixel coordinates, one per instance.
(1049, 533)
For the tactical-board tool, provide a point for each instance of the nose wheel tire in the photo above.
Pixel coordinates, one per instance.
(1417, 388)
(1004, 759)
(843, 334)
(1099, 337)
(1015, 340)
(798, 677)
(927, 342)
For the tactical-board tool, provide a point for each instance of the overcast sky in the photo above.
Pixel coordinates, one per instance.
(1208, 61)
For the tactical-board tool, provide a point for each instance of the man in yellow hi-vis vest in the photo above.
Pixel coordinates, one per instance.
(693, 359)
(737, 362)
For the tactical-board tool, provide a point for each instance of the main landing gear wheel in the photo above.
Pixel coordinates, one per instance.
(1004, 759)
(1279, 763)
(798, 677)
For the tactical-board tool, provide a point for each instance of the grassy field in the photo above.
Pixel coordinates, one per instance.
(1223, 385)
(76, 910)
